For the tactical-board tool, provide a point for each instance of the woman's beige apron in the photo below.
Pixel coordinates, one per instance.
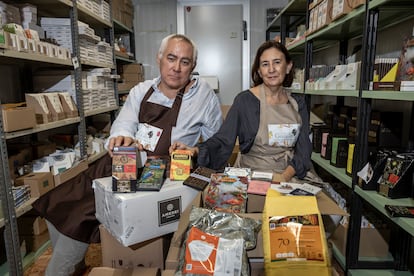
(263, 156)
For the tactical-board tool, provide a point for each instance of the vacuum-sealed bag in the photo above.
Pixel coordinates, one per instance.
(216, 244)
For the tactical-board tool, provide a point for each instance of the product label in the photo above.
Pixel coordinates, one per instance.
(295, 238)
(169, 210)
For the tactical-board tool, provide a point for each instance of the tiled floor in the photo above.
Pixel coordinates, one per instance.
(93, 259)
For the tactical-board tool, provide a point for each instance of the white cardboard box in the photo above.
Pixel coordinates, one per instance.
(136, 217)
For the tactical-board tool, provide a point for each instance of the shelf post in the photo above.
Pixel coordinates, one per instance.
(361, 145)
(76, 60)
(11, 235)
(115, 70)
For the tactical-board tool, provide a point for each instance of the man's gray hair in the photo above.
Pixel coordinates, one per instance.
(165, 40)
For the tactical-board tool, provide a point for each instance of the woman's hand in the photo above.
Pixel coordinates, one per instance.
(278, 178)
(285, 176)
(182, 146)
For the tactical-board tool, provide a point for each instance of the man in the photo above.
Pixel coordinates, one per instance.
(176, 105)
(154, 105)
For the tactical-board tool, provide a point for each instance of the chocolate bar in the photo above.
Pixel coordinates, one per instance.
(199, 179)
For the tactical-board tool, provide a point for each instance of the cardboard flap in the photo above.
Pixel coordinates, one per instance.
(13, 105)
(327, 206)
(185, 216)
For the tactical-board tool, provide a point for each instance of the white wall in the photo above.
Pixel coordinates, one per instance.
(155, 19)
(258, 24)
(246, 45)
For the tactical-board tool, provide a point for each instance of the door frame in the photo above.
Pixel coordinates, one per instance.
(246, 17)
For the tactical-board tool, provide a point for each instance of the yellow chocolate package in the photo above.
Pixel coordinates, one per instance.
(294, 241)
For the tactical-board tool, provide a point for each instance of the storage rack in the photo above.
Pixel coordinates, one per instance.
(362, 23)
(58, 8)
(120, 28)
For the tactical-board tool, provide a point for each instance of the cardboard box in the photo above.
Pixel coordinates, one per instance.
(140, 271)
(340, 8)
(148, 254)
(43, 148)
(40, 183)
(55, 106)
(60, 162)
(38, 103)
(35, 242)
(257, 267)
(324, 13)
(17, 158)
(356, 3)
(171, 261)
(68, 105)
(17, 117)
(224, 110)
(372, 242)
(71, 173)
(137, 217)
(325, 204)
(132, 68)
(31, 225)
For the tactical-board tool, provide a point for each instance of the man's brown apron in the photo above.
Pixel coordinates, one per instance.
(162, 117)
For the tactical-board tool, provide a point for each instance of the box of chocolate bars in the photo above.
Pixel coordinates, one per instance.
(124, 169)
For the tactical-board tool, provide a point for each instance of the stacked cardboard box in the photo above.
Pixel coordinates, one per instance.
(33, 230)
(17, 117)
(123, 11)
(131, 74)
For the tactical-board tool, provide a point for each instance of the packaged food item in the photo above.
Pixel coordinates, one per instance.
(199, 178)
(227, 193)
(124, 169)
(294, 241)
(152, 176)
(180, 165)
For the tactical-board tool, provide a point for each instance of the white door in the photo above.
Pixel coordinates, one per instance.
(217, 31)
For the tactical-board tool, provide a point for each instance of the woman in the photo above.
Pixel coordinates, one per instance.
(271, 124)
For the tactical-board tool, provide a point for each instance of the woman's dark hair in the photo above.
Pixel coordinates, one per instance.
(257, 79)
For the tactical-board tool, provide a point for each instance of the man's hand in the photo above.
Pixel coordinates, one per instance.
(119, 141)
(182, 146)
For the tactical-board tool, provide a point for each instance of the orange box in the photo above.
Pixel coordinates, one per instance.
(180, 165)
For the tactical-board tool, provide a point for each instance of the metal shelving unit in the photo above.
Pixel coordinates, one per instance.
(15, 264)
(363, 23)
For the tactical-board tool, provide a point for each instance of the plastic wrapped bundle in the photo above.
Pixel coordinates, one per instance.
(216, 244)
